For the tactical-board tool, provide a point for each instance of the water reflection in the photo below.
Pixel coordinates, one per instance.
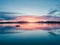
(30, 26)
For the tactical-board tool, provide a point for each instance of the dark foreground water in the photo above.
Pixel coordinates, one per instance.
(30, 34)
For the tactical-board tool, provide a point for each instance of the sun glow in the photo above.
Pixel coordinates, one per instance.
(27, 19)
(31, 20)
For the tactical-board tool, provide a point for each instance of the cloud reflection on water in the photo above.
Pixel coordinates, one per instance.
(32, 26)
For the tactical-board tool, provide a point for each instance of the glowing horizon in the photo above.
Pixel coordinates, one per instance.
(31, 19)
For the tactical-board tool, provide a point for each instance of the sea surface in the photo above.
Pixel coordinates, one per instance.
(30, 34)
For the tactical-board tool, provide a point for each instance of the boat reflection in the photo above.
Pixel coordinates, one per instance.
(33, 26)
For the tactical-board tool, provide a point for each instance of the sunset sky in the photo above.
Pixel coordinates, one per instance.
(29, 7)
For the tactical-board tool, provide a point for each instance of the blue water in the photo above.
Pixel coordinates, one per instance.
(9, 35)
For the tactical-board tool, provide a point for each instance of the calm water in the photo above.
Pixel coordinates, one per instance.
(30, 34)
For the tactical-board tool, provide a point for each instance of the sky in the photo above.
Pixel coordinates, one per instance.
(29, 7)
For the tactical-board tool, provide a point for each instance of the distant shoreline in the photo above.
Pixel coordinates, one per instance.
(30, 22)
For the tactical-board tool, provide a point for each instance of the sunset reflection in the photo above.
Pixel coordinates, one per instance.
(33, 26)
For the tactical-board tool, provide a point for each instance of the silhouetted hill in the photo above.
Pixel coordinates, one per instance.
(48, 22)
